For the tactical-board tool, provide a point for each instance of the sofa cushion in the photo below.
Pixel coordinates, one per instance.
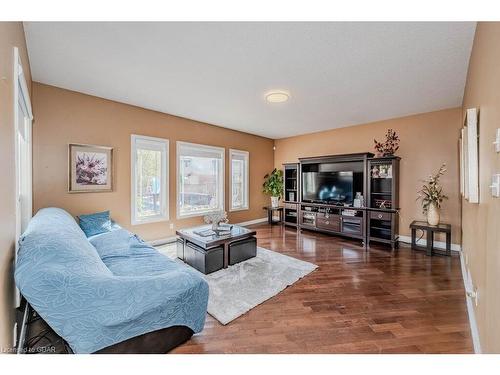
(96, 223)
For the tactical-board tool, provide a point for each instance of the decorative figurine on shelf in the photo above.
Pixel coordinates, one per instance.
(390, 146)
(216, 218)
(389, 172)
(358, 200)
(383, 171)
(375, 172)
(432, 196)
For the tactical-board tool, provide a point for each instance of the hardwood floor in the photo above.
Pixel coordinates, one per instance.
(357, 301)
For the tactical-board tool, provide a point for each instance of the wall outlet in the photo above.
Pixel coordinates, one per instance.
(474, 295)
(497, 141)
(171, 225)
(466, 259)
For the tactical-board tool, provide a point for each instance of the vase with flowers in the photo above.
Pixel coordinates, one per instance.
(216, 218)
(431, 195)
(390, 146)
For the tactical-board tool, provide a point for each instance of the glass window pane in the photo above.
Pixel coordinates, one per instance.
(238, 183)
(201, 185)
(148, 183)
(239, 179)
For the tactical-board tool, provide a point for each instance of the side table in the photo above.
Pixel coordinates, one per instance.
(270, 211)
(430, 229)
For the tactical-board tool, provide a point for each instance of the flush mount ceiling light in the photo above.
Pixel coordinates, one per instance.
(277, 96)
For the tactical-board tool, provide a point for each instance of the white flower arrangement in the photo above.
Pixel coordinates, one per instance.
(216, 218)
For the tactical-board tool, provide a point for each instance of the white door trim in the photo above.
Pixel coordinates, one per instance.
(21, 99)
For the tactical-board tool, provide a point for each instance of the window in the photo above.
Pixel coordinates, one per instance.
(200, 179)
(23, 156)
(149, 179)
(239, 179)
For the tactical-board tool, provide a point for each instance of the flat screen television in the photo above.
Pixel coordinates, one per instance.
(336, 187)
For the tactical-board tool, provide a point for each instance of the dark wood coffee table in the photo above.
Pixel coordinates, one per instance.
(238, 233)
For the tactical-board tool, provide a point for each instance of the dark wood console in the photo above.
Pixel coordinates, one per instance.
(346, 221)
(375, 220)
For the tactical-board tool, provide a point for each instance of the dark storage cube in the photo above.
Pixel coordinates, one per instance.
(205, 261)
(242, 250)
(180, 248)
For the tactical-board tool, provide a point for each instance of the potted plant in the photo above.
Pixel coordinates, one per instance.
(273, 186)
(432, 196)
(390, 146)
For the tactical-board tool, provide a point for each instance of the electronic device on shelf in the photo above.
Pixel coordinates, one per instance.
(349, 212)
(331, 182)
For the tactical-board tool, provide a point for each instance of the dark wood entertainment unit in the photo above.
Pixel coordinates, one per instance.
(377, 179)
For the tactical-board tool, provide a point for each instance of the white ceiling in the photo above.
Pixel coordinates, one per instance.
(338, 74)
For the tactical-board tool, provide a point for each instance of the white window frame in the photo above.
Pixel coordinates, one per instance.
(220, 150)
(246, 157)
(22, 99)
(158, 144)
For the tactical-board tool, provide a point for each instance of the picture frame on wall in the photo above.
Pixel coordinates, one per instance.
(90, 168)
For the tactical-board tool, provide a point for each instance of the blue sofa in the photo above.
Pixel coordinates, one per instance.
(103, 290)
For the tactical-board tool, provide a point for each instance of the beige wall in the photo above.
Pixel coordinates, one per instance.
(427, 140)
(63, 117)
(481, 222)
(11, 35)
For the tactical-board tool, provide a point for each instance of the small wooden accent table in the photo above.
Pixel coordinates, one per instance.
(270, 211)
(430, 229)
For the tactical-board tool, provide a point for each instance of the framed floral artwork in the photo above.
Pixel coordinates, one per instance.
(90, 168)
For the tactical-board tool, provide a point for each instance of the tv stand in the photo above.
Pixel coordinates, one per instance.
(345, 221)
(376, 221)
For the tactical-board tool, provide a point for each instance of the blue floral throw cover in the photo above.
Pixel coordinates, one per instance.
(100, 291)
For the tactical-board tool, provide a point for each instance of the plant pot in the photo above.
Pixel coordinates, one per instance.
(433, 214)
(275, 201)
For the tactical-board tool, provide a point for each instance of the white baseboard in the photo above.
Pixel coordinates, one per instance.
(437, 244)
(163, 241)
(251, 222)
(470, 307)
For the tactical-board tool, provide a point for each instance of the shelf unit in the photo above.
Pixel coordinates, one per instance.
(376, 221)
(291, 194)
(335, 219)
(383, 200)
(345, 221)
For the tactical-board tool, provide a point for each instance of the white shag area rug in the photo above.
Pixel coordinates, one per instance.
(237, 289)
